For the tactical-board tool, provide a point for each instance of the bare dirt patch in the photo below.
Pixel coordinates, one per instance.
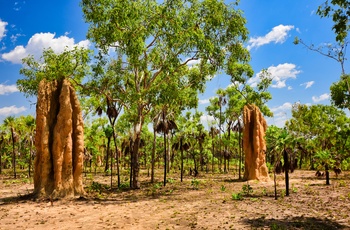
(206, 202)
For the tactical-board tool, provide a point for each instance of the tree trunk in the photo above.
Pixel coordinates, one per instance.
(240, 155)
(182, 159)
(30, 157)
(117, 155)
(286, 170)
(135, 156)
(274, 182)
(153, 154)
(107, 154)
(327, 174)
(13, 153)
(168, 158)
(59, 142)
(213, 153)
(165, 156)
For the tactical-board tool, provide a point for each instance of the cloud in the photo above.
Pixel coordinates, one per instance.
(12, 110)
(14, 37)
(307, 84)
(40, 41)
(17, 5)
(280, 74)
(204, 101)
(205, 119)
(5, 89)
(323, 97)
(278, 34)
(280, 114)
(284, 107)
(2, 29)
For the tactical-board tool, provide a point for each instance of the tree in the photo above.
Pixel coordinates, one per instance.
(2, 143)
(59, 139)
(155, 42)
(10, 123)
(313, 128)
(29, 122)
(339, 11)
(165, 123)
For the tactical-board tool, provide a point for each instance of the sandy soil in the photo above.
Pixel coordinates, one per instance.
(202, 203)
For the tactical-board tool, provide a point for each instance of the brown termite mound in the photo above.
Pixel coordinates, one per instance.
(59, 142)
(254, 145)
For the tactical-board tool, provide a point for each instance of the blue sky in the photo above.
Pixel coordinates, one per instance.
(26, 27)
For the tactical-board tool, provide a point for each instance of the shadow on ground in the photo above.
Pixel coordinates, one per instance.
(309, 223)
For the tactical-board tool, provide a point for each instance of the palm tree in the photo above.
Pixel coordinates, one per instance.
(238, 127)
(213, 132)
(2, 140)
(30, 125)
(9, 122)
(164, 123)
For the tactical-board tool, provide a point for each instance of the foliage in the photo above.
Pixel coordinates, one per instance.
(163, 53)
(247, 189)
(339, 11)
(195, 183)
(314, 126)
(237, 196)
(70, 64)
(340, 92)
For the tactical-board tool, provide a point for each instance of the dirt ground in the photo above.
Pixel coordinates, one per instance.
(206, 202)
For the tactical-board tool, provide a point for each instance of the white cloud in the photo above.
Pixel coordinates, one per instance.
(2, 29)
(40, 41)
(286, 106)
(307, 84)
(205, 119)
(280, 115)
(280, 74)
(5, 89)
(278, 34)
(290, 88)
(12, 110)
(323, 97)
(204, 101)
(14, 37)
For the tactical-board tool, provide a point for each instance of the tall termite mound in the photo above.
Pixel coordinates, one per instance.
(254, 145)
(59, 141)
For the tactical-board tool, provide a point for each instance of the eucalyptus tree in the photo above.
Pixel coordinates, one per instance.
(94, 140)
(315, 127)
(155, 41)
(338, 11)
(237, 95)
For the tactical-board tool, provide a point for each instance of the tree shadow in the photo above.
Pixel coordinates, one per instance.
(310, 223)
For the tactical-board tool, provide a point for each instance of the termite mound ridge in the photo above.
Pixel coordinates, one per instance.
(254, 144)
(59, 141)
